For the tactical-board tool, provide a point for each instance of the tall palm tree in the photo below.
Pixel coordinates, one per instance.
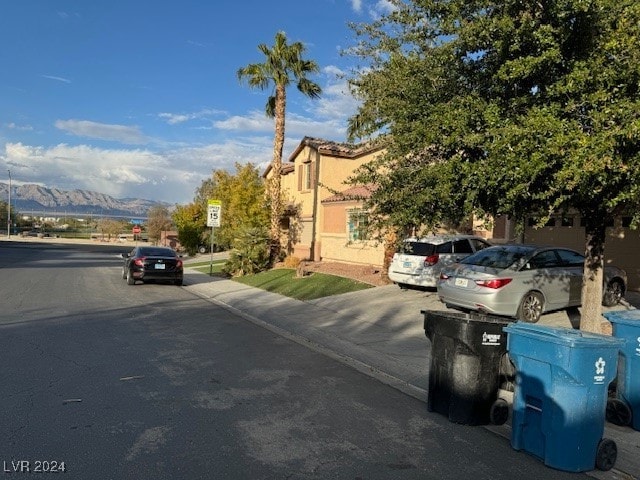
(283, 65)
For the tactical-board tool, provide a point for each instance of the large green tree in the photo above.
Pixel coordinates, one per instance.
(504, 107)
(283, 64)
(190, 220)
(243, 201)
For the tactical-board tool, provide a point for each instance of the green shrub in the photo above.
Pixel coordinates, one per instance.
(250, 253)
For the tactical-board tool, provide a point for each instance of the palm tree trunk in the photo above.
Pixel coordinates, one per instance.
(276, 166)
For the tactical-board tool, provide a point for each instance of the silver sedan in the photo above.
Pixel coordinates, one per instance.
(523, 281)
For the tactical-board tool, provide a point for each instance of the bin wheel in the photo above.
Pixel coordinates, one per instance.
(499, 412)
(618, 412)
(606, 455)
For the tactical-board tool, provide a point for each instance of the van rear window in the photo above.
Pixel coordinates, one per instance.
(425, 249)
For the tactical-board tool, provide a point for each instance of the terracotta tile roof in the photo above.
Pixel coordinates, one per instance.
(287, 168)
(327, 147)
(337, 149)
(350, 194)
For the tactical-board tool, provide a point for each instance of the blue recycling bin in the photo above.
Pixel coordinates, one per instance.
(560, 399)
(624, 408)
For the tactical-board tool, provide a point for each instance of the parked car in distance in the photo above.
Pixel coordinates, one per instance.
(420, 260)
(523, 281)
(152, 263)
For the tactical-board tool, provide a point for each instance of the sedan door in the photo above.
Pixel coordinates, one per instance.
(573, 265)
(544, 272)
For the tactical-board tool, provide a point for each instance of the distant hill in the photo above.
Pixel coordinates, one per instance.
(36, 198)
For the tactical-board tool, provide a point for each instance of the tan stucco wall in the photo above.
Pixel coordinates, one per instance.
(336, 249)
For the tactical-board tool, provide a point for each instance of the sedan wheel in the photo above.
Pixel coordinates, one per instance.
(130, 279)
(613, 293)
(530, 308)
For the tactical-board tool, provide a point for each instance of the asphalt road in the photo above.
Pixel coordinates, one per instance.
(152, 382)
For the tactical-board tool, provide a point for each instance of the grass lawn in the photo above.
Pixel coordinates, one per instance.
(204, 267)
(316, 285)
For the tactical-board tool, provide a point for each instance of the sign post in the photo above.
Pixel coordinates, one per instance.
(214, 215)
(136, 230)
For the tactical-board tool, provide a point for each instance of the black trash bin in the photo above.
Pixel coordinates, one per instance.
(470, 376)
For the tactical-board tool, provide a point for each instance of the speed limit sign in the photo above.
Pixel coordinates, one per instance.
(214, 212)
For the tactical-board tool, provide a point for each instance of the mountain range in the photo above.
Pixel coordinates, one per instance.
(42, 200)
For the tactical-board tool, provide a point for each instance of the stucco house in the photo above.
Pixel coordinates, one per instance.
(323, 217)
(314, 228)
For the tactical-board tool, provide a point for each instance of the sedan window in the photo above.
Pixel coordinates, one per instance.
(496, 257)
(569, 258)
(546, 259)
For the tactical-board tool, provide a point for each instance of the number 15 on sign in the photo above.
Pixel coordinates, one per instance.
(214, 212)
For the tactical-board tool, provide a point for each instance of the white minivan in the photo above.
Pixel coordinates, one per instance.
(420, 260)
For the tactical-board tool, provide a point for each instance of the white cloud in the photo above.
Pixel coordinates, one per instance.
(336, 102)
(385, 6)
(22, 128)
(255, 121)
(296, 125)
(120, 133)
(58, 79)
(171, 175)
(382, 7)
(175, 118)
(356, 5)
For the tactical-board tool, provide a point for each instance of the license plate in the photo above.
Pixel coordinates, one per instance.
(461, 282)
(407, 264)
(160, 266)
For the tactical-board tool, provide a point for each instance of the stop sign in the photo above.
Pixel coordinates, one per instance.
(136, 229)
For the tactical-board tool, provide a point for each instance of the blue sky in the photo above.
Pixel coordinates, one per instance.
(139, 98)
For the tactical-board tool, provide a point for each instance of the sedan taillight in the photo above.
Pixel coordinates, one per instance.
(494, 283)
(139, 261)
(431, 260)
(178, 263)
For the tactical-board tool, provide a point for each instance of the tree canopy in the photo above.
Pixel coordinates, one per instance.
(243, 201)
(504, 107)
(158, 220)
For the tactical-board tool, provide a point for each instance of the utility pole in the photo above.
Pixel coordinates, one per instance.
(9, 208)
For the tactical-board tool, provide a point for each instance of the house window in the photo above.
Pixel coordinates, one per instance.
(306, 176)
(357, 223)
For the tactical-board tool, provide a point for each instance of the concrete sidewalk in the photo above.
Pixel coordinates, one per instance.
(380, 332)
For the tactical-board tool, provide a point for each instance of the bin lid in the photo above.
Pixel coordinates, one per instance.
(563, 336)
(471, 317)
(627, 317)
